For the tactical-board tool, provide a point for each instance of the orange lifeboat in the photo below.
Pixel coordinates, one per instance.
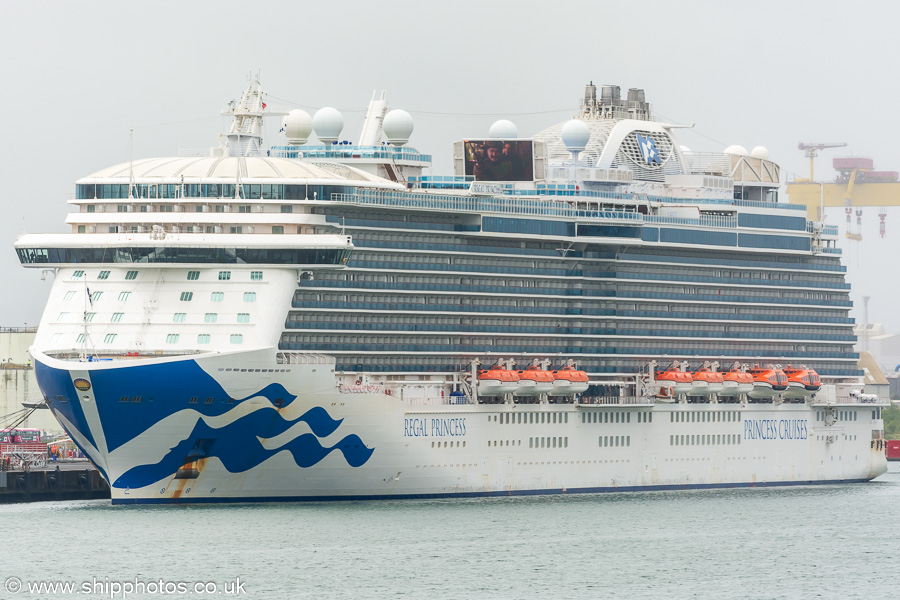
(707, 381)
(534, 381)
(737, 382)
(675, 380)
(568, 380)
(497, 381)
(768, 381)
(802, 382)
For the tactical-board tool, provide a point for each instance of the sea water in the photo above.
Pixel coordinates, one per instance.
(835, 541)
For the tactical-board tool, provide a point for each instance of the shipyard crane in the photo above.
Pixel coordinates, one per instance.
(811, 151)
(857, 185)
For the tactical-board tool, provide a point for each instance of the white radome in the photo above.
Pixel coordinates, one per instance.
(575, 135)
(397, 126)
(328, 123)
(503, 130)
(736, 150)
(297, 127)
(760, 152)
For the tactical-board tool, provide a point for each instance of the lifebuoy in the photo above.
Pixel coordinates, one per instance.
(359, 382)
(388, 392)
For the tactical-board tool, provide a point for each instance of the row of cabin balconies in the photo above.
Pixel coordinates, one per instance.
(114, 206)
(271, 229)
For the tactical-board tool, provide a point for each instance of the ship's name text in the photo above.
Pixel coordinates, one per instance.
(422, 427)
(775, 429)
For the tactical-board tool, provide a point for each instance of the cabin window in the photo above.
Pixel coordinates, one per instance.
(224, 275)
(193, 275)
(123, 296)
(237, 338)
(172, 338)
(131, 275)
(187, 296)
(203, 338)
(110, 338)
(117, 317)
(210, 317)
(243, 317)
(217, 296)
(249, 296)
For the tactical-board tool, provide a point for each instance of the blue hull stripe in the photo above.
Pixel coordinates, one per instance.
(544, 492)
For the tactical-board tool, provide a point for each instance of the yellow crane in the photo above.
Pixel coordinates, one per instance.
(857, 185)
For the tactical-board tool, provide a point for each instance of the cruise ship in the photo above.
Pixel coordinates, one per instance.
(595, 308)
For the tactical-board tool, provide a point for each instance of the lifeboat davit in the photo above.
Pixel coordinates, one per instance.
(568, 381)
(706, 381)
(497, 381)
(768, 382)
(675, 380)
(534, 381)
(802, 382)
(736, 382)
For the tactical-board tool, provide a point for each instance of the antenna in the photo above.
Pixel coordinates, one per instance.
(131, 164)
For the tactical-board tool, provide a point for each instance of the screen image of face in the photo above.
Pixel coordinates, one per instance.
(499, 160)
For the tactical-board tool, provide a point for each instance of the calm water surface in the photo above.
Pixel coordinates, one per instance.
(816, 542)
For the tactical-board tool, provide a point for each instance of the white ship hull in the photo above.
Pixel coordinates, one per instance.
(330, 443)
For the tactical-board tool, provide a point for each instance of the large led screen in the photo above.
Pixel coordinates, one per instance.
(500, 160)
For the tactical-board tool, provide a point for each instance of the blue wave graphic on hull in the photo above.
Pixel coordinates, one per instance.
(164, 390)
(237, 445)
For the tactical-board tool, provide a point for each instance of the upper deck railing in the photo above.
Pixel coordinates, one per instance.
(344, 151)
(584, 208)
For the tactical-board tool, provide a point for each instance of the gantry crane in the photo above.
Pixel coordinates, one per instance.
(857, 185)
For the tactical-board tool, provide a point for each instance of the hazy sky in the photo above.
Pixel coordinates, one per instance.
(77, 75)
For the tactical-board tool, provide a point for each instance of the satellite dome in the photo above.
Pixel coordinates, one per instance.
(575, 135)
(397, 127)
(736, 150)
(297, 127)
(328, 123)
(503, 129)
(760, 152)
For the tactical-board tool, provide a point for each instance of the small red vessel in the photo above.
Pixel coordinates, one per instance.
(892, 449)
